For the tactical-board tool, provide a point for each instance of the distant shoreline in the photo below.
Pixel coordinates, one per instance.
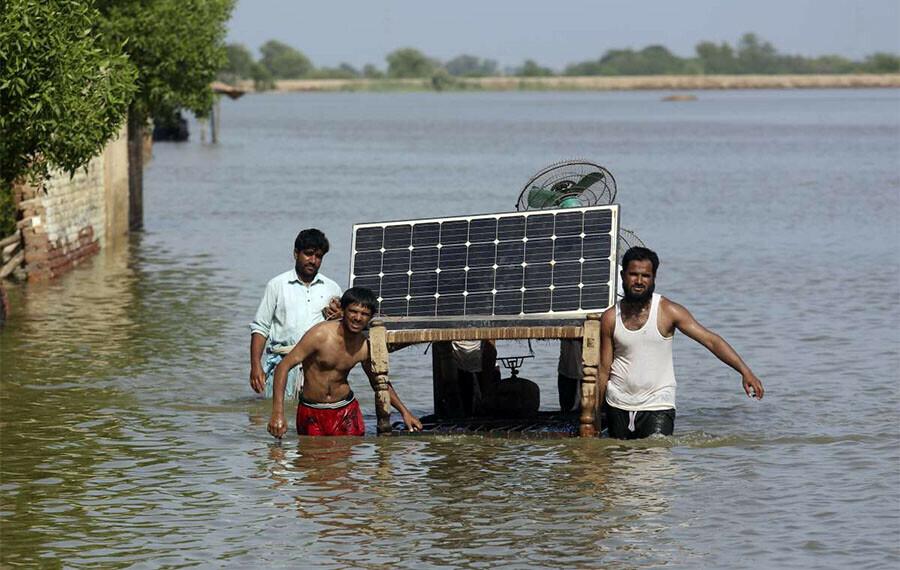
(594, 83)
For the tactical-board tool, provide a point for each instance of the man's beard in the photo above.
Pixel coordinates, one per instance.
(642, 298)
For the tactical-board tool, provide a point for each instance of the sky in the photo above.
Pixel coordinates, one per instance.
(562, 31)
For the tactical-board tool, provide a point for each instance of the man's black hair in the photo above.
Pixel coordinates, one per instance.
(359, 296)
(311, 239)
(638, 253)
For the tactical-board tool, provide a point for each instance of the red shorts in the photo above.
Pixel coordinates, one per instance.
(346, 420)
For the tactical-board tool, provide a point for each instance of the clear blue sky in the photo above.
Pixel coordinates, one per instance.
(563, 31)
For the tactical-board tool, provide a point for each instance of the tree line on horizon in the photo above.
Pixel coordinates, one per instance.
(751, 55)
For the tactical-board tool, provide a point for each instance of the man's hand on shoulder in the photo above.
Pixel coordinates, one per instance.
(333, 310)
(752, 386)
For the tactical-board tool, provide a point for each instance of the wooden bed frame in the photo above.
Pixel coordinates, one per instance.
(384, 332)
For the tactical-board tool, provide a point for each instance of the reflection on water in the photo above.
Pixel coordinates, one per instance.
(128, 435)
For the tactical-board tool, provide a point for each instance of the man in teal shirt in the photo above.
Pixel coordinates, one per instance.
(293, 302)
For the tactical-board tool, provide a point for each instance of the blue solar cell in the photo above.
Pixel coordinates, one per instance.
(594, 296)
(450, 305)
(397, 237)
(597, 221)
(510, 228)
(508, 277)
(395, 261)
(539, 226)
(453, 257)
(451, 281)
(567, 248)
(482, 230)
(595, 272)
(423, 283)
(394, 285)
(423, 306)
(568, 223)
(479, 303)
(454, 232)
(565, 299)
(424, 259)
(566, 274)
(480, 280)
(426, 234)
(482, 254)
(538, 275)
(367, 263)
(510, 252)
(508, 303)
(393, 307)
(538, 250)
(369, 238)
(537, 301)
(596, 246)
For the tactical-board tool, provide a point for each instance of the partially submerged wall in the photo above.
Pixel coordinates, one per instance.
(71, 218)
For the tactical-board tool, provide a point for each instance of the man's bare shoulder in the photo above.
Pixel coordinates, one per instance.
(322, 330)
(672, 309)
(609, 316)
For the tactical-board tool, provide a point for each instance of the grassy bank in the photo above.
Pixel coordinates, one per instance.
(596, 83)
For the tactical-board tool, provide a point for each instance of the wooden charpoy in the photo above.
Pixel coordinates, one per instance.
(384, 332)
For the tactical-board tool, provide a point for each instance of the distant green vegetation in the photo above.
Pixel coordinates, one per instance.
(751, 55)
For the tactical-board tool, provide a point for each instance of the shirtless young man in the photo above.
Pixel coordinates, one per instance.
(328, 352)
(636, 375)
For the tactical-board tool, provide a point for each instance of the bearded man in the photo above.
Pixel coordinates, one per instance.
(637, 376)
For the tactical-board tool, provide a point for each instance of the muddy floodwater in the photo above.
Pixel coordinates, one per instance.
(130, 436)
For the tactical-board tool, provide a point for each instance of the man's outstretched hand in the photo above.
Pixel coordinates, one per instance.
(752, 386)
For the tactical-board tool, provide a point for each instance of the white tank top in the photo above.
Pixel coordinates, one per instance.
(642, 377)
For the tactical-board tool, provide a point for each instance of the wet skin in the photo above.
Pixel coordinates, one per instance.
(329, 351)
(639, 282)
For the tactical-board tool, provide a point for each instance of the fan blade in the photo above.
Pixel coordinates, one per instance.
(587, 181)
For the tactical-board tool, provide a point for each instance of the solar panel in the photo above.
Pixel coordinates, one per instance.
(554, 263)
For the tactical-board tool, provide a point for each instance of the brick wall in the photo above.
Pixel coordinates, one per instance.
(71, 218)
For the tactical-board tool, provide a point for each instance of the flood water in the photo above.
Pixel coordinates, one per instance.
(130, 436)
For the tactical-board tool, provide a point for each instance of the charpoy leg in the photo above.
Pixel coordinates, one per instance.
(590, 359)
(379, 355)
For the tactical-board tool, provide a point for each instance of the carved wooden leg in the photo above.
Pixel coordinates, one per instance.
(379, 355)
(590, 358)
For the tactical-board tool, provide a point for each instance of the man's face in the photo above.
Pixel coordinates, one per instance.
(307, 263)
(638, 281)
(356, 317)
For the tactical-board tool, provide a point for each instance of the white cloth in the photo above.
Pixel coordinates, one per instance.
(467, 354)
(290, 307)
(642, 377)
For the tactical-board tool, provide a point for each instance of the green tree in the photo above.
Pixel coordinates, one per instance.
(283, 61)
(239, 63)
(63, 94)
(409, 62)
(716, 59)
(177, 46)
(755, 55)
(471, 66)
(531, 69)
(262, 77)
(882, 63)
(369, 71)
